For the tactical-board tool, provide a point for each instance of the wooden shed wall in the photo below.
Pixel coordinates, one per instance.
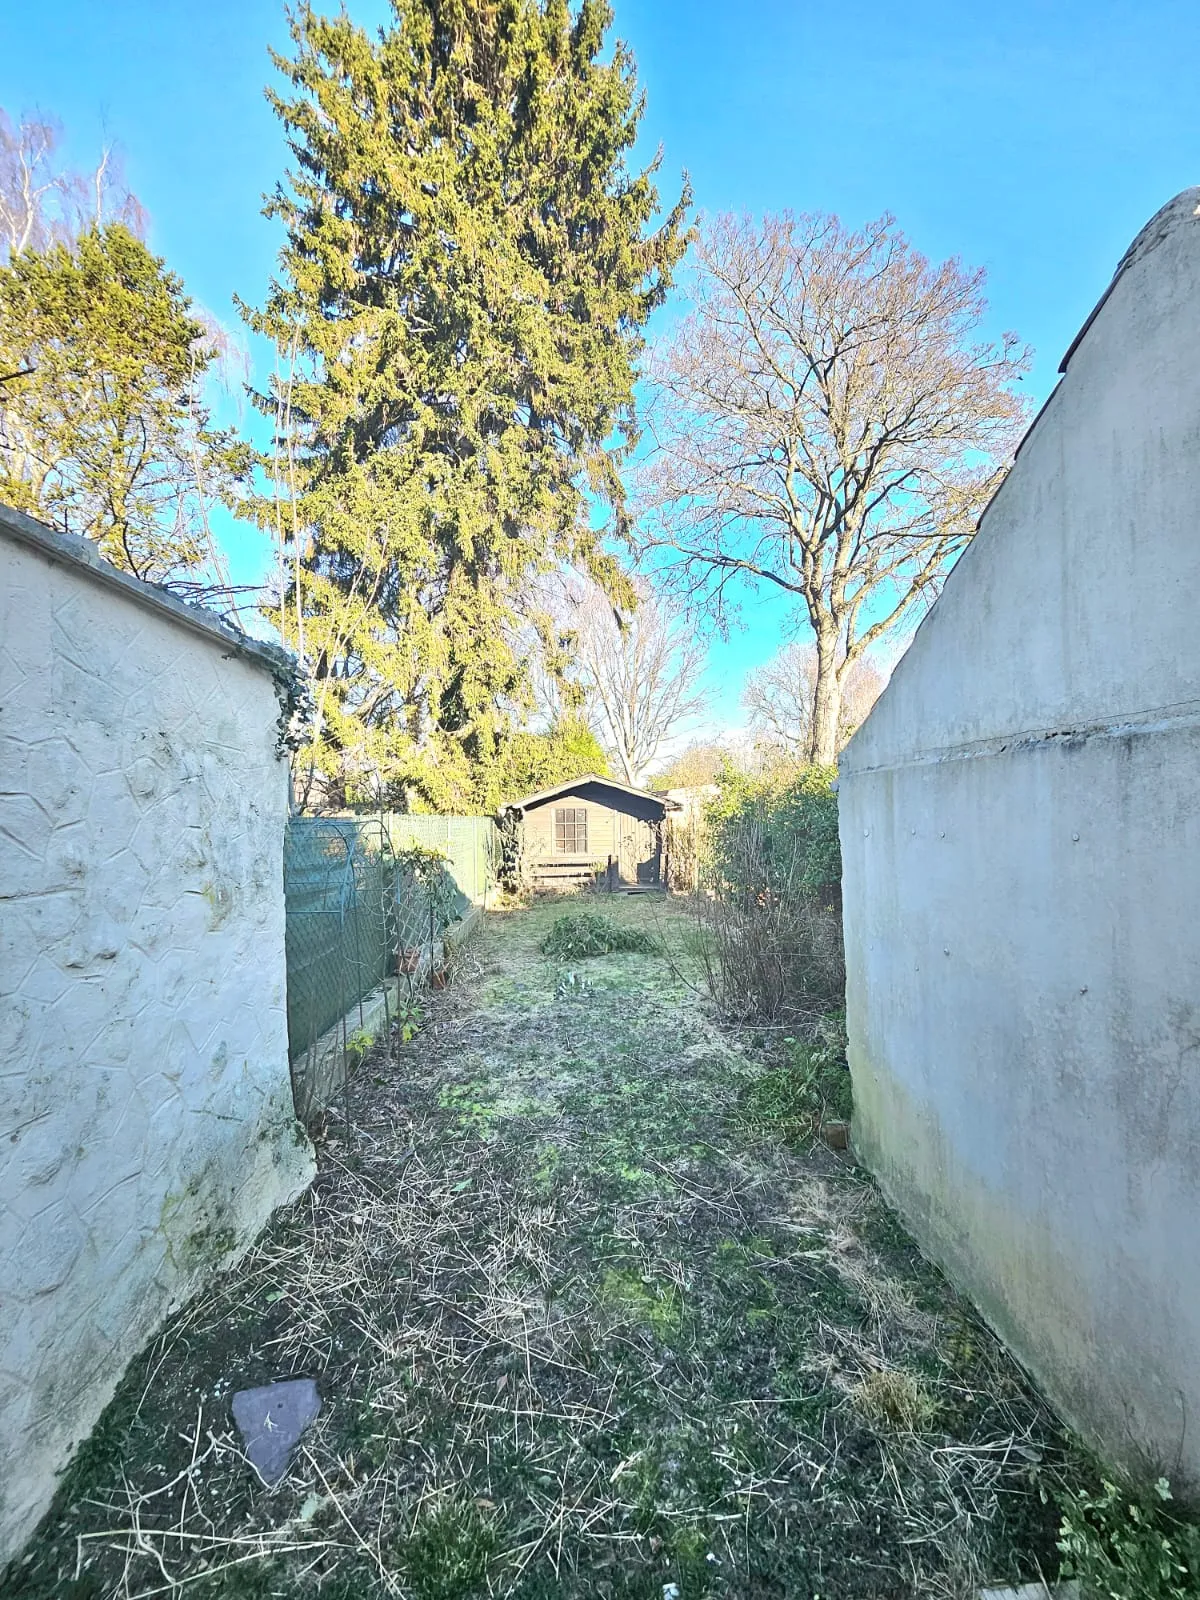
(603, 824)
(626, 833)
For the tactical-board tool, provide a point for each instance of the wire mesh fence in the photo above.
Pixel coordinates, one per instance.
(368, 899)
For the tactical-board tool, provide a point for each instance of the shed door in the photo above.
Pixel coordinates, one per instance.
(640, 850)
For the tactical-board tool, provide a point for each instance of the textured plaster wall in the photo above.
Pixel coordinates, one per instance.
(146, 1124)
(1020, 822)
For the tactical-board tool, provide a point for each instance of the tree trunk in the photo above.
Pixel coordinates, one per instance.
(827, 705)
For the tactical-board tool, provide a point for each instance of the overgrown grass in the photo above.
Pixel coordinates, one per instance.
(588, 933)
(581, 1329)
(809, 1087)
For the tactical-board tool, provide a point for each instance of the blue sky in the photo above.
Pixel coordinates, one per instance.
(1033, 138)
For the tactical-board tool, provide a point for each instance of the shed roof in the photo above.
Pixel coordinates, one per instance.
(589, 779)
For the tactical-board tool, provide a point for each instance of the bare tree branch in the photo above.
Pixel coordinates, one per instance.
(636, 671)
(826, 420)
(781, 697)
(42, 204)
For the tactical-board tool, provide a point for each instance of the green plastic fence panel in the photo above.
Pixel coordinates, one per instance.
(340, 904)
(351, 908)
(469, 842)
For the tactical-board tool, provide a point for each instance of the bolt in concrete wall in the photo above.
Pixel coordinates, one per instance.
(146, 1117)
(1020, 821)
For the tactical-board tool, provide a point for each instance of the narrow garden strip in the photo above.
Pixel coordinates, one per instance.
(585, 1323)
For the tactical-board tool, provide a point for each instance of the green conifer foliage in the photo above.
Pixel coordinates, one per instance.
(104, 431)
(528, 762)
(468, 269)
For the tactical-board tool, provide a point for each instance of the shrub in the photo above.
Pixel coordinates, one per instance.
(1123, 1544)
(428, 869)
(359, 1046)
(811, 1087)
(587, 933)
(771, 934)
(772, 830)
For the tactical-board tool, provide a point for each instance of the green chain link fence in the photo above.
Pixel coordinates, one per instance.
(357, 912)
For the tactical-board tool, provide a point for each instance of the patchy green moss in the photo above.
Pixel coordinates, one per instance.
(195, 1225)
(642, 1299)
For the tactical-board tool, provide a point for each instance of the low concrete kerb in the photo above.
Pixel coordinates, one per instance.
(319, 1072)
(1033, 1591)
(458, 933)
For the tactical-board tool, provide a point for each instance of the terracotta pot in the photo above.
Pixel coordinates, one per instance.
(408, 961)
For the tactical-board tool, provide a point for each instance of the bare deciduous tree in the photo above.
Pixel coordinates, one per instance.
(700, 763)
(827, 420)
(637, 671)
(42, 203)
(781, 694)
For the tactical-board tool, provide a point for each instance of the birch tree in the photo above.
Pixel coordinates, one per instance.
(827, 420)
(43, 203)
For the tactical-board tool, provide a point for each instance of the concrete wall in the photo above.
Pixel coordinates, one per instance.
(1020, 821)
(145, 1107)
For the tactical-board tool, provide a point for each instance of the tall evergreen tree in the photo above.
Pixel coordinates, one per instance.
(468, 269)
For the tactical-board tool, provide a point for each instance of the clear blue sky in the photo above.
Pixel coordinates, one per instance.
(1032, 137)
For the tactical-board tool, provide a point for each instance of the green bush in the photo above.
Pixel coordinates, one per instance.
(768, 831)
(771, 916)
(587, 933)
(1127, 1545)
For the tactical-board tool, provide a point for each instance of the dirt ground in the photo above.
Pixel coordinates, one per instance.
(583, 1325)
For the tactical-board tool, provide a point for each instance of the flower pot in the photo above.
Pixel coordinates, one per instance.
(409, 960)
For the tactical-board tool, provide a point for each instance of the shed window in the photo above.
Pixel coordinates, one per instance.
(570, 830)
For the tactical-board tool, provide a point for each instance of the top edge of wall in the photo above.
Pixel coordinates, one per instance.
(72, 550)
(1167, 224)
(1177, 213)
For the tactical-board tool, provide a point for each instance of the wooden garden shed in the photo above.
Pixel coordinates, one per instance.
(592, 828)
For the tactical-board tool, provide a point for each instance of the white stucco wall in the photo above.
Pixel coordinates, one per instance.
(1020, 820)
(146, 1122)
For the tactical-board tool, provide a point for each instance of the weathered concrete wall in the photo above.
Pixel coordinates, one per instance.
(1020, 822)
(145, 1107)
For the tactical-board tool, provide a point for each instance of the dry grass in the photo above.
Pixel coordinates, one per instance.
(578, 1332)
(893, 1397)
